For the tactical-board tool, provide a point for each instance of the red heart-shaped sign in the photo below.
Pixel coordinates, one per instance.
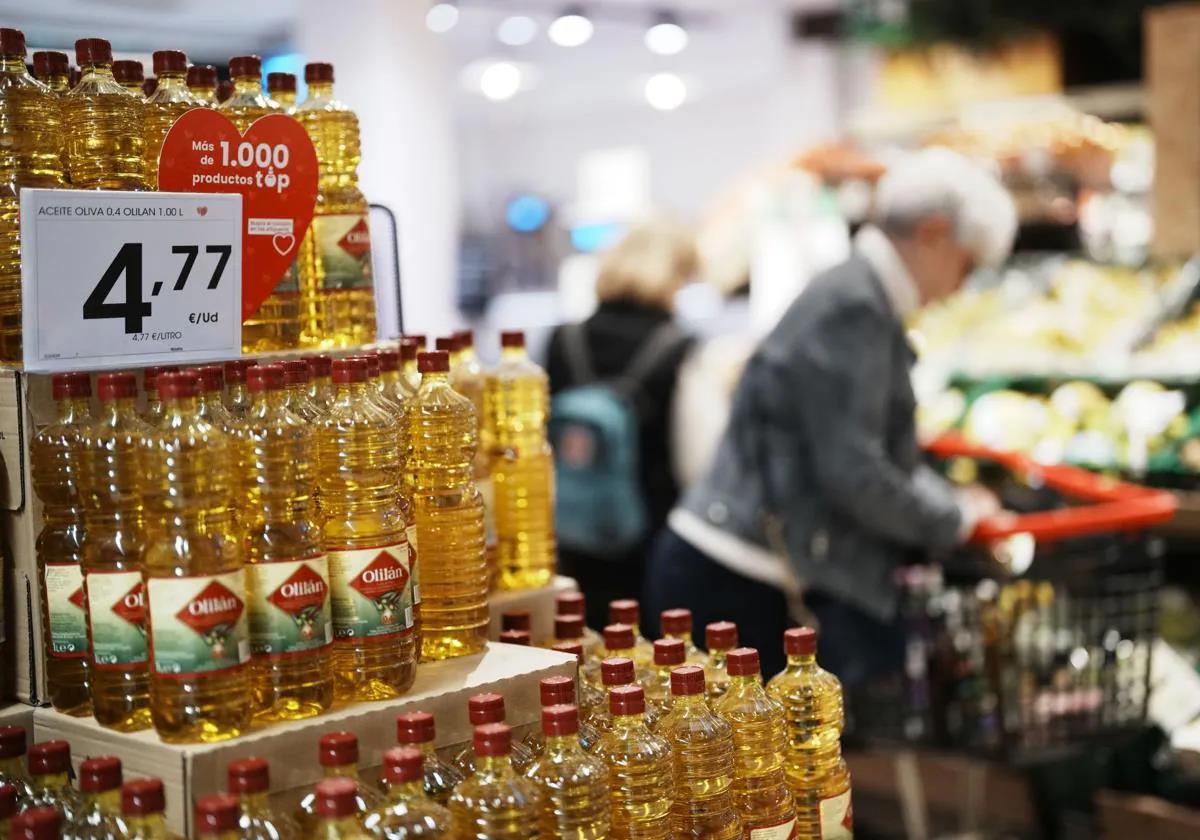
(274, 168)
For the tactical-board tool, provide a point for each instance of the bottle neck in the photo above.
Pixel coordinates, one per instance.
(249, 85)
(342, 771)
(808, 660)
(219, 835)
(269, 399)
(52, 781)
(630, 721)
(13, 64)
(122, 407)
(744, 682)
(12, 768)
(716, 657)
(493, 765)
(147, 825)
(107, 801)
(399, 793)
(560, 744)
(72, 409)
(320, 90)
(354, 390)
(338, 827)
(285, 98)
(257, 802)
(621, 653)
(172, 79)
(99, 71)
(512, 353)
(688, 702)
(686, 638)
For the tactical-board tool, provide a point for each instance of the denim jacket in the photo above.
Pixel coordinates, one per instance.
(820, 461)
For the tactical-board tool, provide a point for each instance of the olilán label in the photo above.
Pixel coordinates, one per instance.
(65, 606)
(198, 625)
(783, 831)
(117, 610)
(837, 818)
(344, 245)
(289, 606)
(372, 591)
(410, 533)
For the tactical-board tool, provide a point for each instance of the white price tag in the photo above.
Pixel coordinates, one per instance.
(123, 279)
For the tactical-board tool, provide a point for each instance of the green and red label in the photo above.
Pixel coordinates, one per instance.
(289, 607)
(410, 534)
(198, 625)
(117, 612)
(372, 591)
(65, 604)
(344, 249)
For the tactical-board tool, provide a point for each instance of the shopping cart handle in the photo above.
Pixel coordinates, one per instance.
(1112, 505)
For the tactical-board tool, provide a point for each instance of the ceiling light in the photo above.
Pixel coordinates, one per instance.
(516, 31)
(571, 29)
(500, 81)
(441, 17)
(666, 91)
(666, 36)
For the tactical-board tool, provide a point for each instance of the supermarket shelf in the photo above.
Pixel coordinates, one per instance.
(190, 771)
(539, 602)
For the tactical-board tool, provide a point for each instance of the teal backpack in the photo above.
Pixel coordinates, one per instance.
(600, 508)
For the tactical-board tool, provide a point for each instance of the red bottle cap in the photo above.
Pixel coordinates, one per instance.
(36, 824)
(264, 378)
(446, 343)
(687, 679)
(224, 89)
(626, 700)
(403, 764)
(485, 708)
(337, 798)
(373, 367)
(409, 349)
(68, 386)
(116, 386)
(151, 374)
(560, 720)
(8, 801)
(556, 691)
(100, 774)
(669, 652)
(235, 371)
(296, 372)
(464, 339)
(249, 775)
(389, 359)
(677, 622)
(437, 361)
(416, 728)
(174, 386)
(76, 75)
(800, 641)
(617, 670)
(281, 82)
(212, 377)
(570, 603)
(350, 370)
(742, 662)
(338, 749)
(319, 366)
(92, 51)
(568, 627)
(127, 71)
(50, 757)
(625, 611)
(12, 43)
(516, 637)
(245, 65)
(142, 797)
(46, 63)
(217, 812)
(618, 637)
(492, 739)
(721, 635)
(12, 741)
(512, 338)
(574, 648)
(516, 620)
(318, 71)
(203, 76)
(421, 339)
(169, 61)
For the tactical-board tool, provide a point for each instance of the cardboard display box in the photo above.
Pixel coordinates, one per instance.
(191, 771)
(539, 602)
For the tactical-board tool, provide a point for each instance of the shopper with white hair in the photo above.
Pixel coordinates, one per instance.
(819, 483)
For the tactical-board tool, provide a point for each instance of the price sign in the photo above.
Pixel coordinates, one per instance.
(121, 279)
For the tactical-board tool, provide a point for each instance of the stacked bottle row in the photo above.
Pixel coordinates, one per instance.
(102, 132)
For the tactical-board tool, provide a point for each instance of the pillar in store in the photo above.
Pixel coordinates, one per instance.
(398, 78)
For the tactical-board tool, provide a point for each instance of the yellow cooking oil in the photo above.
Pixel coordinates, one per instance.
(338, 755)
(677, 624)
(522, 467)
(237, 396)
(371, 576)
(448, 513)
(194, 576)
(639, 769)
(113, 551)
(31, 148)
(53, 69)
(469, 378)
(287, 576)
(153, 411)
(281, 87)
(574, 784)
(276, 324)
(202, 82)
(170, 101)
(54, 456)
(337, 292)
(211, 402)
(495, 801)
(102, 125)
(720, 637)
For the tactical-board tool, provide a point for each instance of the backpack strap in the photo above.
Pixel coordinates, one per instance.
(661, 343)
(575, 350)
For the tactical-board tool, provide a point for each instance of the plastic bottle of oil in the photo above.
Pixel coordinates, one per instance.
(615, 672)
(282, 89)
(559, 691)
(144, 805)
(677, 624)
(568, 628)
(31, 139)
(522, 467)
(99, 815)
(338, 755)
(468, 377)
(55, 466)
(171, 99)
(483, 709)
(760, 786)
(154, 404)
(574, 785)
(574, 603)
(391, 382)
(211, 402)
(448, 513)
(102, 125)
(149, 86)
(628, 611)
(12, 763)
(494, 801)
(43, 823)
(703, 765)
(406, 810)
(49, 774)
(618, 644)
(112, 556)
(418, 730)
(216, 817)
(8, 808)
(194, 576)
(339, 816)
(53, 69)
(202, 82)
(669, 654)
(720, 637)
(287, 576)
(250, 781)
(297, 377)
(639, 769)
(238, 400)
(816, 771)
(320, 382)
(336, 287)
(130, 75)
(374, 655)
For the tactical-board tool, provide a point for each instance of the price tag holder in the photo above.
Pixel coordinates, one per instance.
(124, 279)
